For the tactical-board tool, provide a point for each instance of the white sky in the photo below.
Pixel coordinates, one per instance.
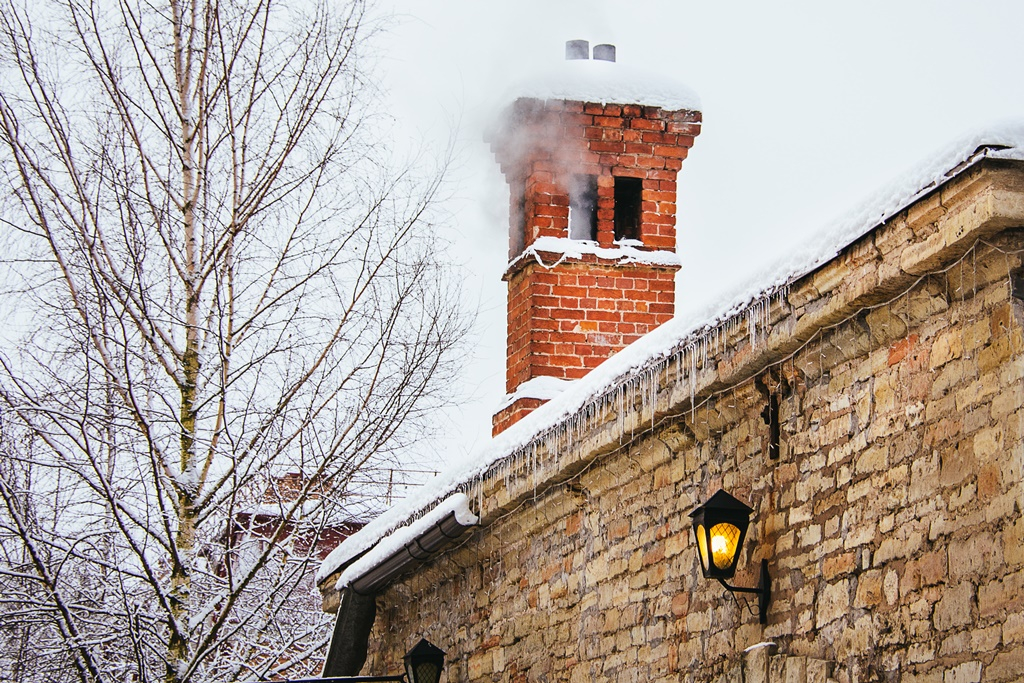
(808, 107)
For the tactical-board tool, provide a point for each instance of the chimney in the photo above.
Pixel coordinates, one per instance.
(577, 49)
(592, 226)
(604, 52)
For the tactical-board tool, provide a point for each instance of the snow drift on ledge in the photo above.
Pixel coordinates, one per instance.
(623, 252)
(540, 387)
(1003, 141)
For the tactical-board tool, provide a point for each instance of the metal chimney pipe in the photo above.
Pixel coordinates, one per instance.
(605, 52)
(577, 49)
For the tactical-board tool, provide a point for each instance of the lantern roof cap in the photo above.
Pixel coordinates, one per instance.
(723, 501)
(424, 647)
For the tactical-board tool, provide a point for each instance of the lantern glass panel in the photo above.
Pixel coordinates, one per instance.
(702, 546)
(425, 672)
(725, 538)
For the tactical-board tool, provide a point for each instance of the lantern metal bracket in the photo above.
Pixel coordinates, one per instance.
(763, 590)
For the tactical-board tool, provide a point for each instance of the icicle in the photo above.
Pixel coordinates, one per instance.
(654, 397)
(974, 265)
(693, 377)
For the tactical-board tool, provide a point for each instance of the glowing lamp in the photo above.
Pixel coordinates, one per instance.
(720, 526)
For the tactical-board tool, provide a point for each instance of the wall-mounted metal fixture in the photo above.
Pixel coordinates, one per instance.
(1017, 283)
(424, 663)
(720, 526)
(770, 415)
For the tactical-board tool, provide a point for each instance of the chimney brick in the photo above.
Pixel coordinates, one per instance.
(567, 318)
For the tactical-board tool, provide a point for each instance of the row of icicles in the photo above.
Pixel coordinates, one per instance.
(689, 357)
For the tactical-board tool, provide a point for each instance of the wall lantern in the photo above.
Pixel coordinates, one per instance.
(720, 525)
(423, 663)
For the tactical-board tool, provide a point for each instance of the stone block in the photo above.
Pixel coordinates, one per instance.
(891, 587)
(926, 301)
(756, 663)
(920, 652)
(954, 607)
(1013, 628)
(795, 670)
(933, 567)
(958, 463)
(733, 675)
(976, 556)
(946, 347)
(777, 669)
(1000, 596)
(986, 639)
(1013, 543)
(869, 589)
(833, 602)
(802, 294)
(902, 544)
(1006, 666)
(924, 477)
(885, 325)
(994, 355)
(968, 672)
(818, 671)
(1007, 401)
(964, 495)
(809, 535)
(873, 459)
(931, 676)
(480, 664)
(988, 443)
(836, 565)
(955, 643)
(976, 392)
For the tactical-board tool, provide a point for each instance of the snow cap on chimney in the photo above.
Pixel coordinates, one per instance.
(601, 78)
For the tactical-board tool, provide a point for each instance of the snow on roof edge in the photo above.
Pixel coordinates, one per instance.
(397, 539)
(365, 553)
(1004, 141)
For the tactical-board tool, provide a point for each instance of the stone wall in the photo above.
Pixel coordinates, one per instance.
(891, 520)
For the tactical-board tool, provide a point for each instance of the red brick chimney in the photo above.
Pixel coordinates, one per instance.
(592, 220)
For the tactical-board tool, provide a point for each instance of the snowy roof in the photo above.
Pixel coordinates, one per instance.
(594, 80)
(399, 538)
(1004, 141)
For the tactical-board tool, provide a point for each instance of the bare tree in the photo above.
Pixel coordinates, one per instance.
(215, 278)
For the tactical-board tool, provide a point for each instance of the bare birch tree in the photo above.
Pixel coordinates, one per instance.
(214, 278)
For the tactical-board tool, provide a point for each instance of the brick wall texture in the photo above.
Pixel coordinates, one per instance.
(891, 520)
(542, 144)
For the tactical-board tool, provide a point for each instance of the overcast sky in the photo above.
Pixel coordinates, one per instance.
(808, 108)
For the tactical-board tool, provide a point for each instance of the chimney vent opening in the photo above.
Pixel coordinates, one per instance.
(604, 52)
(577, 49)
